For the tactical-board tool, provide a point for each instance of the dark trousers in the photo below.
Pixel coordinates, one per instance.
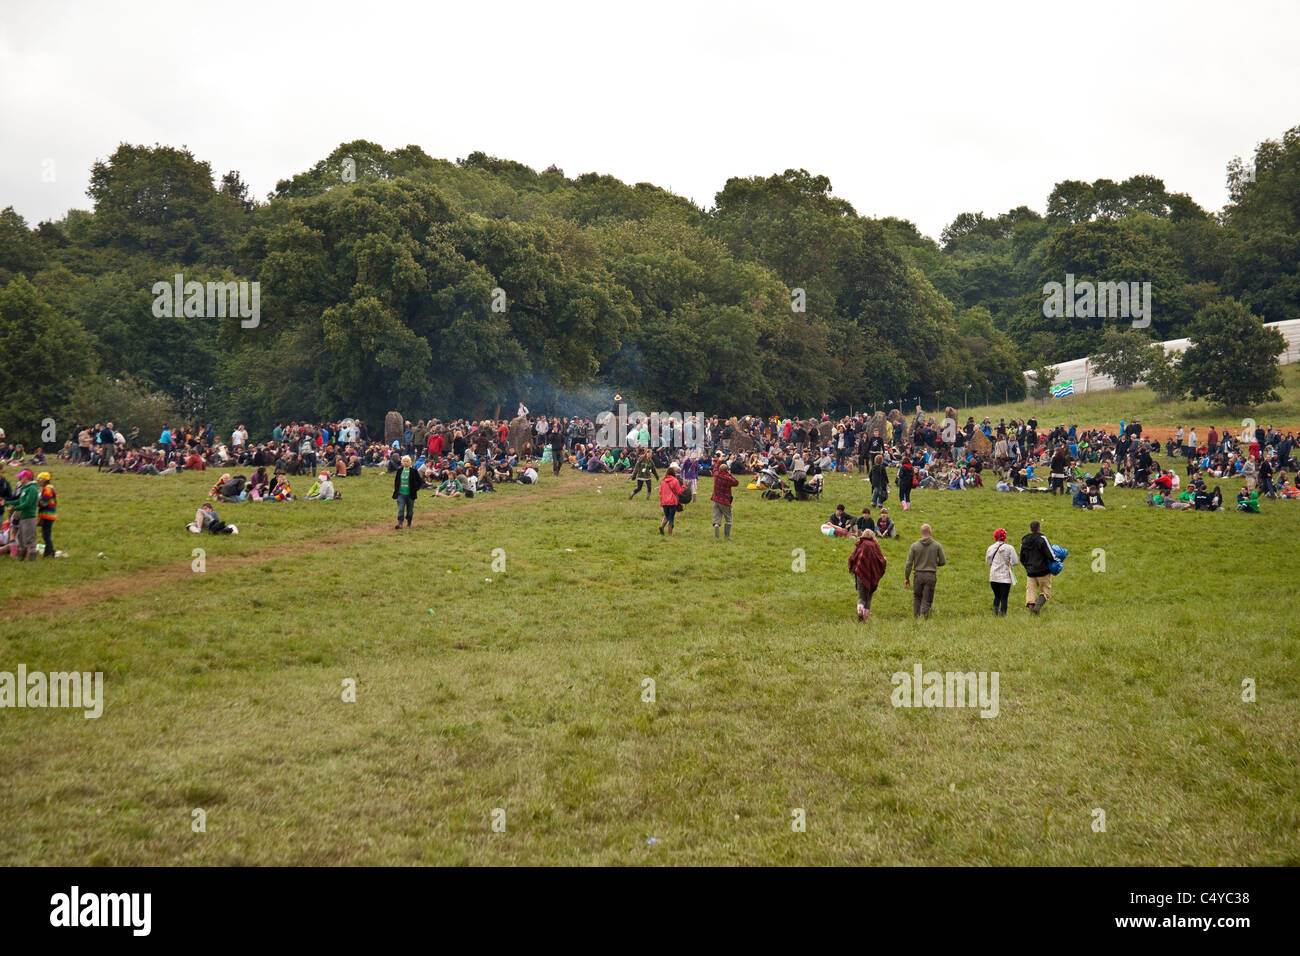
(1000, 591)
(639, 483)
(864, 596)
(557, 460)
(905, 494)
(922, 592)
(47, 527)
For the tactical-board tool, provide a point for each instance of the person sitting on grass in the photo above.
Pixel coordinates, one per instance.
(1248, 502)
(450, 487)
(526, 475)
(1094, 496)
(280, 490)
(864, 521)
(206, 519)
(215, 491)
(885, 525)
(323, 489)
(841, 520)
(501, 471)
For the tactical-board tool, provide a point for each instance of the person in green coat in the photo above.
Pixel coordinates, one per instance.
(25, 502)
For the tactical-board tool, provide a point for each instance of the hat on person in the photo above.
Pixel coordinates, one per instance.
(1000, 534)
(322, 477)
(24, 475)
(43, 476)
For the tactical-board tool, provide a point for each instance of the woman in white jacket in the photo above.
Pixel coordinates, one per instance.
(1000, 557)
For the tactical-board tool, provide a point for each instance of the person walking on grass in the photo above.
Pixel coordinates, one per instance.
(924, 558)
(723, 482)
(557, 450)
(406, 485)
(1000, 557)
(906, 479)
(867, 562)
(670, 490)
(879, 481)
(644, 472)
(1036, 555)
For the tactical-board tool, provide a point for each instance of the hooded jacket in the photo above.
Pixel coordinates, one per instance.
(1036, 555)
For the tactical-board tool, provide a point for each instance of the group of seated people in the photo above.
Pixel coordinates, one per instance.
(1197, 497)
(264, 487)
(842, 523)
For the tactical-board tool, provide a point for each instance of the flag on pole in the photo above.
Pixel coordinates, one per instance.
(1061, 389)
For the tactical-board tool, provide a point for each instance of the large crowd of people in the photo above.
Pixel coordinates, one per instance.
(779, 458)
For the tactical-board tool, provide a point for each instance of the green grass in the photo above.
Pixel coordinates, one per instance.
(1113, 406)
(523, 692)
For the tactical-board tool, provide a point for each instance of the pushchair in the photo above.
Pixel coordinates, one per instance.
(772, 486)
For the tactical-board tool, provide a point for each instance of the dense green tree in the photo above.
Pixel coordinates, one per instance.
(1232, 359)
(43, 350)
(1124, 354)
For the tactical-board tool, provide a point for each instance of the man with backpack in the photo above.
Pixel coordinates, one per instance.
(1036, 556)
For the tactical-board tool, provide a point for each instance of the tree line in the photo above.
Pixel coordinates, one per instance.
(391, 279)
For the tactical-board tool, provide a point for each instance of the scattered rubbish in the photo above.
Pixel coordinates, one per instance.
(651, 840)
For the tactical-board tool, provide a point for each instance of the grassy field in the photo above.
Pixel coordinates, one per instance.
(1115, 406)
(522, 689)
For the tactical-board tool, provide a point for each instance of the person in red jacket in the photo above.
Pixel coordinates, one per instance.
(867, 562)
(669, 490)
(723, 482)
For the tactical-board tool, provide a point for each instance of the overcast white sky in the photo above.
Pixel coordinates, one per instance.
(917, 110)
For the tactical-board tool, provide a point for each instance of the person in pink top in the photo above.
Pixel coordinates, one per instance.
(669, 490)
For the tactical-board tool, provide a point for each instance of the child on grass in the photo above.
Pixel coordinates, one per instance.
(46, 511)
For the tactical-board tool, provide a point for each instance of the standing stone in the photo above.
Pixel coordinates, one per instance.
(394, 425)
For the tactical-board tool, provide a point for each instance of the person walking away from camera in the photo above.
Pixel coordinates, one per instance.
(906, 478)
(670, 490)
(879, 481)
(1036, 555)
(723, 482)
(867, 562)
(406, 485)
(1000, 558)
(691, 474)
(924, 558)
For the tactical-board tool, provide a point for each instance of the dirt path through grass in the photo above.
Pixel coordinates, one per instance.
(63, 600)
